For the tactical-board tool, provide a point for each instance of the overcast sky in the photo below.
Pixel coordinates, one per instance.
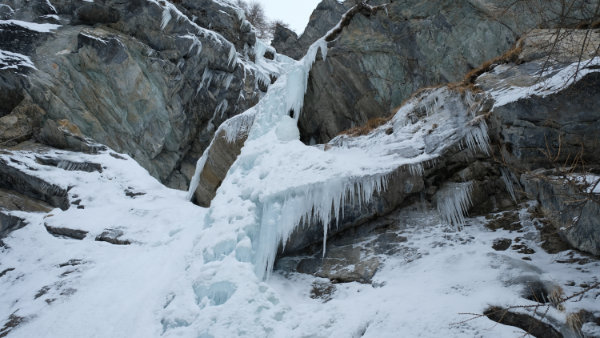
(295, 12)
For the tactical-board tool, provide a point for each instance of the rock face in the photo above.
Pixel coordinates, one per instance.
(380, 61)
(327, 14)
(146, 79)
(574, 212)
(11, 200)
(220, 158)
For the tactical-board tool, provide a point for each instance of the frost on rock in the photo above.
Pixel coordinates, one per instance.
(551, 82)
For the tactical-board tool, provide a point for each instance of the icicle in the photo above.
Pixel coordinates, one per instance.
(454, 201)
(222, 107)
(506, 177)
(228, 80)
(232, 55)
(207, 78)
(166, 17)
(478, 137)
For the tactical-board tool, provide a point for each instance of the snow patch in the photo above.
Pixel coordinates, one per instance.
(36, 27)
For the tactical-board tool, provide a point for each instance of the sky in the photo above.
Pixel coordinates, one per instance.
(295, 12)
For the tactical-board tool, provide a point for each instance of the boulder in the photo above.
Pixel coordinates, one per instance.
(569, 206)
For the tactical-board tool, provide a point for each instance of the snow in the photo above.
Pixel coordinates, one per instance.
(37, 27)
(9, 60)
(113, 283)
(551, 82)
(143, 289)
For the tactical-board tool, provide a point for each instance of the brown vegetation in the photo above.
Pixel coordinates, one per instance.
(512, 56)
(368, 127)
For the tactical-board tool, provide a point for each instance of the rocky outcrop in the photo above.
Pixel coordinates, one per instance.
(327, 14)
(113, 236)
(530, 126)
(14, 176)
(220, 158)
(527, 323)
(11, 200)
(66, 232)
(570, 203)
(146, 79)
(380, 61)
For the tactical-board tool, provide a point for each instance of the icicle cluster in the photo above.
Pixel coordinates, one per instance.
(454, 201)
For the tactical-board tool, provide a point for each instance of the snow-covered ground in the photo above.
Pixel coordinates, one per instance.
(63, 287)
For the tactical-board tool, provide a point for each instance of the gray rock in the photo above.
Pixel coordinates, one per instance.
(327, 14)
(380, 61)
(127, 82)
(112, 236)
(575, 214)
(221, 156)
(70, 165)
(14, 179)
(66, 232)
(11, 200)
(533, 326)
(502, 244)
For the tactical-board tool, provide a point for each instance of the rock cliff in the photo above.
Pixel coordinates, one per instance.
(152, 80)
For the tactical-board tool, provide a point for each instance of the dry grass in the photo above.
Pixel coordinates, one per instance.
(508, 57)
(367, 128)
(586, 25)
(556, 295)
(575, 322)
(462, 88)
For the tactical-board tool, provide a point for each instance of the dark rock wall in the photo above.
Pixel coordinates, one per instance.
(126, 82)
